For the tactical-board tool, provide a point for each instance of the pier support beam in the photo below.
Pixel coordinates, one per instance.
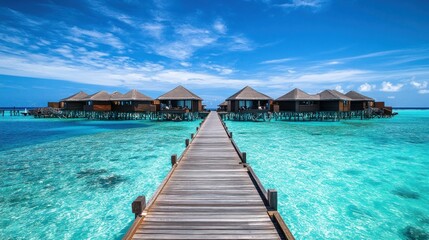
(272, 198)
(244, 157)
(174, 159)
(138, 205)
(187, 142)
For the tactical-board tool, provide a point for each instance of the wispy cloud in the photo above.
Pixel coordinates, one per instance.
(424, 91)
(98, 37)
(419, 85)
(220, 26)
(276, 61)
(153, 29)
(220, 69)
(302, 4)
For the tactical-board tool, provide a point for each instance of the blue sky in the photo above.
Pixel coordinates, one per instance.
(52, 49)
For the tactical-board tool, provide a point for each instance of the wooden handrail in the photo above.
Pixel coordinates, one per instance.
(140, 218)
(275, 216)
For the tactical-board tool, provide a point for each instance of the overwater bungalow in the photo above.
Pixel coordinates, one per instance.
(359, 101)
(180, 100)
(332, 100)
(223, 107)
(132, 101)
(74, 102)
(248, 100)
(99, 101)
(298, 101)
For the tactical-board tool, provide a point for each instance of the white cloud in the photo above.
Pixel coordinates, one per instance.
(366, 87)
(239, 43)
(424, 91)
(275, 61)
(219, 26)
(220, 69)
(99, 37)
(303, 3)
(153, 29)
(419, 85)
(390, 87)
(391, 97)
(339, 89)
(185, 64)
(333, 63)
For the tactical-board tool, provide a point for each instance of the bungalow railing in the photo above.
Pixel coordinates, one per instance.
(139, 206)
(269, 197)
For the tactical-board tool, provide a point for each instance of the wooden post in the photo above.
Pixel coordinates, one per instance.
(198, 129)
(192, 136)
(272, 198)
(173, 159)
(243, 157)
(187, 142)
(230, 134)
(138, 205)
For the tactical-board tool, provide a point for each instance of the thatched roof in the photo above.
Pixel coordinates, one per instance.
(115, 96)
(179, 93)
(75, 97)
(248, 93)
(298, 95)
(355, 96)
(98, 96)
(224, 104)
(333, 95)
(132, 95)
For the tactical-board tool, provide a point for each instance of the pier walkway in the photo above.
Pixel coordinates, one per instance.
(210, 193)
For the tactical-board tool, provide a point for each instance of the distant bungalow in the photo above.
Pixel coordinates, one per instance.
(248, 99)
(300, 101)
(223, 107)
(132, 101)
(297, 101)
(180, 99)
(74, 102)
(359, 101)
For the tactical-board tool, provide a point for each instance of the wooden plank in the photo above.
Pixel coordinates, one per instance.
(209, 195)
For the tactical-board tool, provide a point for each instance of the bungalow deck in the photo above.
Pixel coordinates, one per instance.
(210, 193)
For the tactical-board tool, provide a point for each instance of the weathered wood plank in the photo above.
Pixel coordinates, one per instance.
(210, 195)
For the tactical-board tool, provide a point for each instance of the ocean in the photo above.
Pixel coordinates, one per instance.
(76, 179)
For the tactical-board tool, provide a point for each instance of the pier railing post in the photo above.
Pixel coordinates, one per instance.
(197, 129)
(192, 136)
(187, 142)
(138, 205)
(230, 134)
(173, 159)
(272, 198)
(244, 157)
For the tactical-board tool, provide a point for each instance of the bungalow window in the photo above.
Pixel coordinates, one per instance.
(307, 103)
(345, 103)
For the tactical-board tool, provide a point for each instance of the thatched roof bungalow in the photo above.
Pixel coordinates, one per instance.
(223, 107)
(248, 99)
(99, 101)
(359, 101)
(75, 101)
(132, 101)
(332, 100)
(298, 101)
(180, 99)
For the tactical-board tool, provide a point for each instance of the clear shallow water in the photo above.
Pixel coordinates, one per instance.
(345, 180)
(76, 179)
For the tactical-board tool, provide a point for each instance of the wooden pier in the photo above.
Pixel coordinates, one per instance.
(210, 193)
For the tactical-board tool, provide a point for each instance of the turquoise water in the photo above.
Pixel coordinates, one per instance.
(345, 180)
(76, 179)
